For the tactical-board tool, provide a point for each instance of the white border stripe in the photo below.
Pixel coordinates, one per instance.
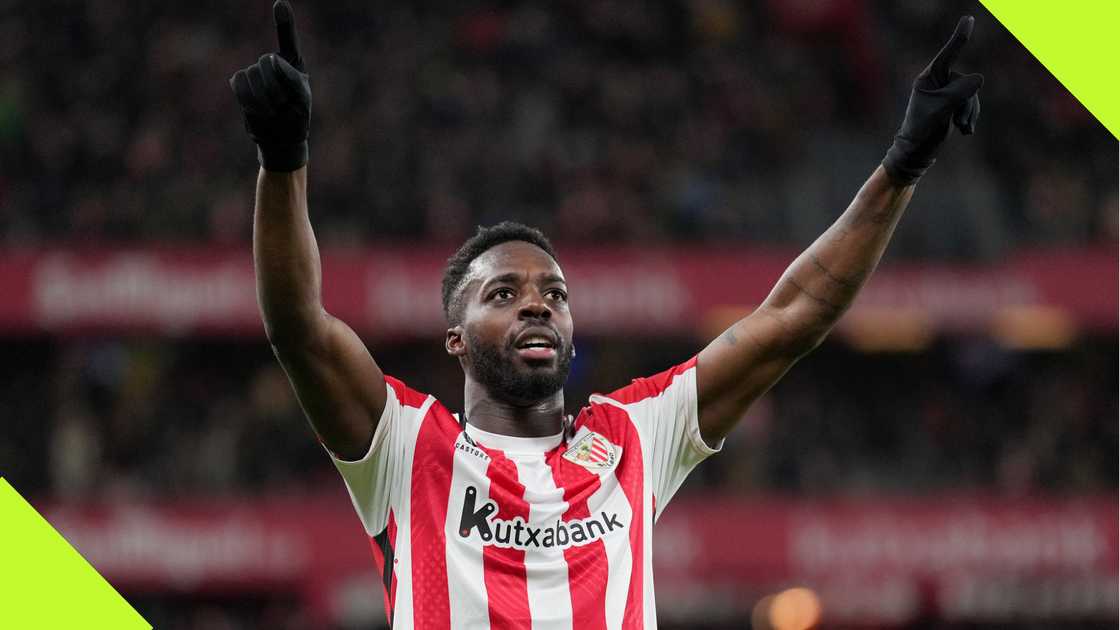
(546, 571)
(466, 577)
(610, 498)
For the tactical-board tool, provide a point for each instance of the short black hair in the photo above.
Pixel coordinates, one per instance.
(484, 239)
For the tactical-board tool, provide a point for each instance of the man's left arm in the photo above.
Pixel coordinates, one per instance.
(812, 294)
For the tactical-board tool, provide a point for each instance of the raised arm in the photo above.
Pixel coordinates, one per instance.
(340, 387)
(812, 294)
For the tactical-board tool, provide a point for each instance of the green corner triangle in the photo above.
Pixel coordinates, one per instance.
(45, 583)
(1078, 44)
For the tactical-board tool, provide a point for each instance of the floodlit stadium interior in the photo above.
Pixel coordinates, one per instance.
(946, 460)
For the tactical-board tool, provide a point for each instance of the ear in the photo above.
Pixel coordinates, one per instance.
(454, 343)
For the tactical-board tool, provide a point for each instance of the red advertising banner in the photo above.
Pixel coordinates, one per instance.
(887, 561)
(395, 292)
(874, 561)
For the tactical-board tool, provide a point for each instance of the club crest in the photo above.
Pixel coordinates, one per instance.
(593, 451)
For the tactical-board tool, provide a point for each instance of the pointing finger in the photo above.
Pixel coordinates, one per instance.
(952, 49)
(286, 34)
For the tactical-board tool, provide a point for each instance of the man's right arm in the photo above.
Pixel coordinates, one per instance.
(339, 385)
(341, 388)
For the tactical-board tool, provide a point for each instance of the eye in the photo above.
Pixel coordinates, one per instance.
(558, 295)
(502, 294)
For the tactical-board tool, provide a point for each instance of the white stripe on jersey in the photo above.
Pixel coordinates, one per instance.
(649, 489)
(466, 575)
(609, 498)
(546, 571)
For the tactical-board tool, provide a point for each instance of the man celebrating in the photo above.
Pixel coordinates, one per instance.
(510, 514)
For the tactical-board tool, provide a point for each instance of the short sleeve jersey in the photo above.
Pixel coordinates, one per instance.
(472, 529)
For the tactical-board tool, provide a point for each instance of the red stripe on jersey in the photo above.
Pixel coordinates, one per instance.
(629, 474)
(431, 486)
(409, 397)
(641, 388)
(587, 564)
(507, 593)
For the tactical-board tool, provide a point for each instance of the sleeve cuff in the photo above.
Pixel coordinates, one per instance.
(378, 433)
(697, 440)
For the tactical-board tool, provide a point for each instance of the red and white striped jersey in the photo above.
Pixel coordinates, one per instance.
(472, 529)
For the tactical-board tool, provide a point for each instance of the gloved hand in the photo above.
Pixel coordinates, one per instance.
(940, 96)
(275, 98)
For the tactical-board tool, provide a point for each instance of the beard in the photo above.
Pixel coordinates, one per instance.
(495, 367)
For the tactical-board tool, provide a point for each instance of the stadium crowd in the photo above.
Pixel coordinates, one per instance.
(136, 419)
(617, 121)
(622, 121)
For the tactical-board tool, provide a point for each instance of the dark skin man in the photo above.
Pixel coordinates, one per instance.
(342, 388)
(510, 514)
(516, 287)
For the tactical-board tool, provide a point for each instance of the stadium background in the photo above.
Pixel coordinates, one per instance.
(947, 459)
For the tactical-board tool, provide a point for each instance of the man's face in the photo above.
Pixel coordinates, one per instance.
(516, 333)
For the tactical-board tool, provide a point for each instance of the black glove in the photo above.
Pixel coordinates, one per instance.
(275, 98)
(939, 96)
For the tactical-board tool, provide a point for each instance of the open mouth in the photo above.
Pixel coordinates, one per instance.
(536, 347)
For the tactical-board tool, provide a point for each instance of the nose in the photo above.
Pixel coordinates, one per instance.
(535, 307)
